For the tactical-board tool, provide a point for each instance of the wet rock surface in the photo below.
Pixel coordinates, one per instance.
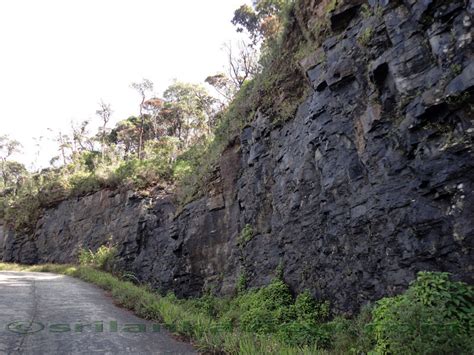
(371, 181)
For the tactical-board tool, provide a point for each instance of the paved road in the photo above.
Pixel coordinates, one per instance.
(44, 313)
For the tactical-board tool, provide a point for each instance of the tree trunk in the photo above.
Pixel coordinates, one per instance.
(140, 139)
(142, 122)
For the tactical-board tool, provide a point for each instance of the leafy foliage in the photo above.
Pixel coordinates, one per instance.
(102, 259)
(241, 284)
(261, 22)
(270, 311)
(187, 111)
(435, 315)
(9, 170)
(352, 336)
(246, 235)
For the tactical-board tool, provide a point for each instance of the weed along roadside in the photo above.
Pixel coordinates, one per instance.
(434, 313)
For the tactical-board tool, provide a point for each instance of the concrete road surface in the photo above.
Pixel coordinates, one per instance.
(44, 313)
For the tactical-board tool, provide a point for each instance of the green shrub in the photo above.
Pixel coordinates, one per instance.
(207, 304)
(298, 333)
(85, 257)
(352, 336)
(242, 281)
(309, 310)
(435, 315)
(265, 308)
(102, 259)
(365, 37)
(22, 213)
(246, 235)
(82, 183)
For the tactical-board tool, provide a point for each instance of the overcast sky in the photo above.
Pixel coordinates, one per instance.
(58, 58)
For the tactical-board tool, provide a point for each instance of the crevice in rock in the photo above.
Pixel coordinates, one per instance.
(322, 86)
(340, 20)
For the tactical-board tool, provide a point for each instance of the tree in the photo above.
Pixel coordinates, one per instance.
(242, 62)
(38, 144)
(81, 139)
(242, 65)
(104, 112)
(13, 174)
(142, 88)
(126, 135)
(262, 22)
(8, 147)
(153, 108)
(245, 18)
(64, 143)
(223, 85)
(187, 111)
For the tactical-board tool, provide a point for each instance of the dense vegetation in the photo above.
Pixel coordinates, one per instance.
(434, 316)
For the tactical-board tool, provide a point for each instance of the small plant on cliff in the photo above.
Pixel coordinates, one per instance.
(456, 69)
(246, 235)
(365, 36)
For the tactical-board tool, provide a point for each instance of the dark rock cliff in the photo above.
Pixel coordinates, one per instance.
(371, 181)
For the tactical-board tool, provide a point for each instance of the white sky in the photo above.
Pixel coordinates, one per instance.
(58, 58)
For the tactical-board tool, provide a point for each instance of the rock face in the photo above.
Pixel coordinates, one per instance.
(371, 181)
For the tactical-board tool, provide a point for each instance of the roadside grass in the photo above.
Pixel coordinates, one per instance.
(206, 333)
(433, 316)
